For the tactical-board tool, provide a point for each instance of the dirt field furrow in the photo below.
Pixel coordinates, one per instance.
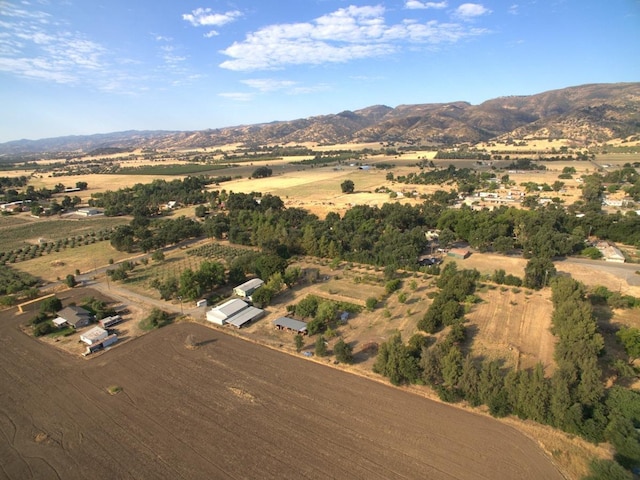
(231, 409)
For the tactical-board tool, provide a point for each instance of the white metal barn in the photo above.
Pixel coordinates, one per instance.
(94, 335)
(248, 287)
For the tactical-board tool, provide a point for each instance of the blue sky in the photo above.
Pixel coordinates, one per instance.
(75, 67)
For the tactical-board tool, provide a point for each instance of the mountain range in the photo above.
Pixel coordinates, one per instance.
(585, 114)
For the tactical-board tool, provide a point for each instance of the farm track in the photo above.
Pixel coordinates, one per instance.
(231, 409)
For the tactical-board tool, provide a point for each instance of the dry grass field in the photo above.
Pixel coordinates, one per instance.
(53, 267)
(231, 409)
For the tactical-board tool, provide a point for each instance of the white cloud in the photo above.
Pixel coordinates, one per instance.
(514, 9)
(468, 11)
(416, 5)
(205, 17)
(344, 35)
(211, 33)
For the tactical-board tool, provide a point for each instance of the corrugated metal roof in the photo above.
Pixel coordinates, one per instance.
(230, 308)
(245, 316)
(291, 323)
(250, 284)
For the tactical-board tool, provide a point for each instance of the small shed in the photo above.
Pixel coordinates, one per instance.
(247, 288)
(110, 321)
(291, 325)
(94, 335)
(102, 344)
(461, 253)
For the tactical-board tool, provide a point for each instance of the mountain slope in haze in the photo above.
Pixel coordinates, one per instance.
(585, 114)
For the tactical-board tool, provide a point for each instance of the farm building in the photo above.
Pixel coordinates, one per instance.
(76, 317)
(88, 212)
(94, 335)
(234, 312)
(247, 288)
(610, 252)
(104, 343)
(291, 325)
(461, 253)
(110, 321)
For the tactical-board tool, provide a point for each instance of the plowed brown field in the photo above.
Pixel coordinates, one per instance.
(230, 409)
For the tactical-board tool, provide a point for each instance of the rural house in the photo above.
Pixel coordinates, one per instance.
(76, 317)
(247, 288)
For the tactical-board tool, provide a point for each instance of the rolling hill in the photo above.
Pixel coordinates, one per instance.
(586, 114)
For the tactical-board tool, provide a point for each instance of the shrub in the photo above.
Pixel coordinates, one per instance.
(43, 328)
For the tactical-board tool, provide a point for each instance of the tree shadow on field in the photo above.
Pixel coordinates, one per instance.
(206, 342)
(470, 332)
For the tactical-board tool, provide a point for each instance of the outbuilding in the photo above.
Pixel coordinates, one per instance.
(234, 312)
(461, 253)
(110, 321)
(247, 288)
(94, 335)
(291, 325)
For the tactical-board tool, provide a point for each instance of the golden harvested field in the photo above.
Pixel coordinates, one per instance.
(231, 409)
(513, 325)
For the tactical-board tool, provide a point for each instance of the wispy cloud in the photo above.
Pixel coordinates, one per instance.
(344, 35)
(205, 17)
(416, 5)
(237, 96)
(514, 9)
(290, 87)
(35, 46)
(269, 84)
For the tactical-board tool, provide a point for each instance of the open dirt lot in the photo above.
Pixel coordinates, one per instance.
(230, 409)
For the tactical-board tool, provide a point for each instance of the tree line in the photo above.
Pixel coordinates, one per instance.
(573, 398)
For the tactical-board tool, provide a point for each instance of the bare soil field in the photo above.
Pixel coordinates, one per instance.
(513, 326)
(231, 409)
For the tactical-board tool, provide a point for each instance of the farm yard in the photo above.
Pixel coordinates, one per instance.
(229, 409)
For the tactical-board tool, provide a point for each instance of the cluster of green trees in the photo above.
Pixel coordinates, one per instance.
(146, 200)
(145, 234)
(572, 399)
(13, 282)
(12, 190)
(394, 233)
(323, 314)
(447, 308)
(192, 285)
